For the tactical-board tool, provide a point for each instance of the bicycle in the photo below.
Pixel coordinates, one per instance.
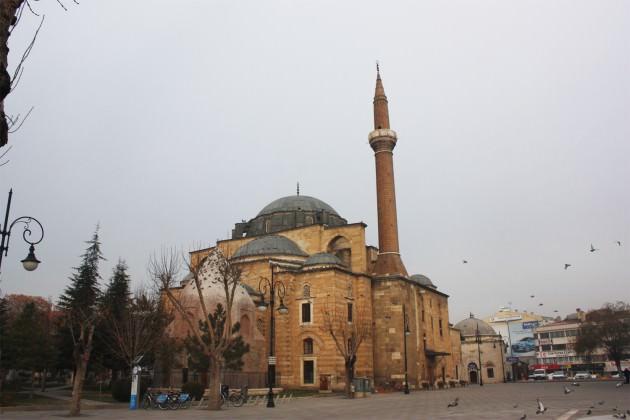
(233, 397)
(148, 400)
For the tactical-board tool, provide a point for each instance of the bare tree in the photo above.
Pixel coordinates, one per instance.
(11, 12)
(348, 325)
(607, 328)
(164, 270)
(137, 329)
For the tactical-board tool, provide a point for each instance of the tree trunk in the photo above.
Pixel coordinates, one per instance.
(77, 388)
(349, 367)
(214, 385)
(8, 9)
(43, 380)
(618, 364)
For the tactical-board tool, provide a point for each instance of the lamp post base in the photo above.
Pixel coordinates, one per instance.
(270, 403)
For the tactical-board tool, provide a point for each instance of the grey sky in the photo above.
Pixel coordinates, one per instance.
(168, 124)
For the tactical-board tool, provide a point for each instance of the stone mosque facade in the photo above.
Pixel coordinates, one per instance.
(323, 259)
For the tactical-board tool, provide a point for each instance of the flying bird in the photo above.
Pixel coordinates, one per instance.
(515, 406)
(524, 416)
(593, 249)
(540, 304)
(619, 243)
(601, 402)
(464, 261)
(567, 266)
(567, 390)
(532, 296)
(588, 413)
(541, 408)
(555, 310)
(454, 402)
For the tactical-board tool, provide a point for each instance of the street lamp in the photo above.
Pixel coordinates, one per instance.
(275, 288)
(31, 262)
(406, 332)
(478, 338)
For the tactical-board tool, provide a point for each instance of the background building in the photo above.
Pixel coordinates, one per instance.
(517, 330)
(482, 351)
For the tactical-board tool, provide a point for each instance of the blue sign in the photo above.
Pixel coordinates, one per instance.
(512, 359)
(530, 325)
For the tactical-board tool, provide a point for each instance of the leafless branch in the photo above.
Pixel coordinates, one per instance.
(27, 52)
(13, 121)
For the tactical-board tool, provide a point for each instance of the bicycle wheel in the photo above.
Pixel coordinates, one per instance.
(236, 400)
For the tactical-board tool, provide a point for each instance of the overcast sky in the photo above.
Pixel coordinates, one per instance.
(167, 124)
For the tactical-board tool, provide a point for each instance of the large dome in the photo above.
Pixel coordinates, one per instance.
(423, 280)
(469, 327)
(296, 203)
(269, 245)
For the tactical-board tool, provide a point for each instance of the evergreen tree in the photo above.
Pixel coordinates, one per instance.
(80, 304)
(233, 354)
(30, 341)
(114, 305)
(117, 296)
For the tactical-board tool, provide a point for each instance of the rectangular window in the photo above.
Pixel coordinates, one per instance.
(559, 346)
(306, 313)
(543, 335)
(349, 312)
(441, 332)
(309, 372)
(490, 372)
(546, 347)
(571, 333)
(556, 334)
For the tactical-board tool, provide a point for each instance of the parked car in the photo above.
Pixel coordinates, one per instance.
(524, 345)
(581, 376)
(539, 374)
(559, 375)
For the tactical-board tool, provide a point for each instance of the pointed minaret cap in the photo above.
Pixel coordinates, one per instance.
(381, 112)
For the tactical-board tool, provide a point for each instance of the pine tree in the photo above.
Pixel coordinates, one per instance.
(80, 304)
(117, 296)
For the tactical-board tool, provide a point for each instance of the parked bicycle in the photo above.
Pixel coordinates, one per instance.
(234, 397)
(166, 401)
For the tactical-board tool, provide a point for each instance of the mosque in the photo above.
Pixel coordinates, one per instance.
(322, 260)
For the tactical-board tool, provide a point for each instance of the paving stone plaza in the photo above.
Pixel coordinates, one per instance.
(496, 401)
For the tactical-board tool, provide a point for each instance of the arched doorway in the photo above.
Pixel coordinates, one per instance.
(473, 376)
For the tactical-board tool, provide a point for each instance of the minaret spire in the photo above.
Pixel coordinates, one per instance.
(383, 140)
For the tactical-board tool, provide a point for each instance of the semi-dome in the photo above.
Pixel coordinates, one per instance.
(423, 280)
(296, 203)
(269, 245)
(470, 326)
(322, 258)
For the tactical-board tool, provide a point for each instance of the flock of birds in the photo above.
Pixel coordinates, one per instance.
(541, 408)
(566, 266)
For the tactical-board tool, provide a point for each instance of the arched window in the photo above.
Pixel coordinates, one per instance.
(308, 346)
(340, 247)
(306, 291)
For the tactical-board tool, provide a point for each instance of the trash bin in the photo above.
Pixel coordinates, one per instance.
(361, 387)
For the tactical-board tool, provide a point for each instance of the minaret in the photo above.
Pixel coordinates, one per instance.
(383, 140)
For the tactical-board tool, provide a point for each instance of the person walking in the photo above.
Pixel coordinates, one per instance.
(626, 373)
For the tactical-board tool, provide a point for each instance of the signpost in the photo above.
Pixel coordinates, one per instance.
(135, 379)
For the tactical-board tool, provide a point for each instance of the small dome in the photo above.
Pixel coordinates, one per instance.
(322, 258)
(296, 203)
(423, 280)
(469, 327)
(269, 245)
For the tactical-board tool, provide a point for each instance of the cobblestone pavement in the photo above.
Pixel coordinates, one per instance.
(488, 402)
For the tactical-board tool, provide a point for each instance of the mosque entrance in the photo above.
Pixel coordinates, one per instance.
(473, 376)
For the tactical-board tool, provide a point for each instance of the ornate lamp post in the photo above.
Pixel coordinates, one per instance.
(31, 262)
(478, 338)
(274, 288)
(406, 332)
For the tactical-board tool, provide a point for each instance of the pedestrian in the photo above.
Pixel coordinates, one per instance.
(626, 373)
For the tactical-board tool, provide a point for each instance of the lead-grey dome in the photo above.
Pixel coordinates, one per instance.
(469, 326)
(322, 258)
(423, 280)
(270, 245)
(296, 203)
